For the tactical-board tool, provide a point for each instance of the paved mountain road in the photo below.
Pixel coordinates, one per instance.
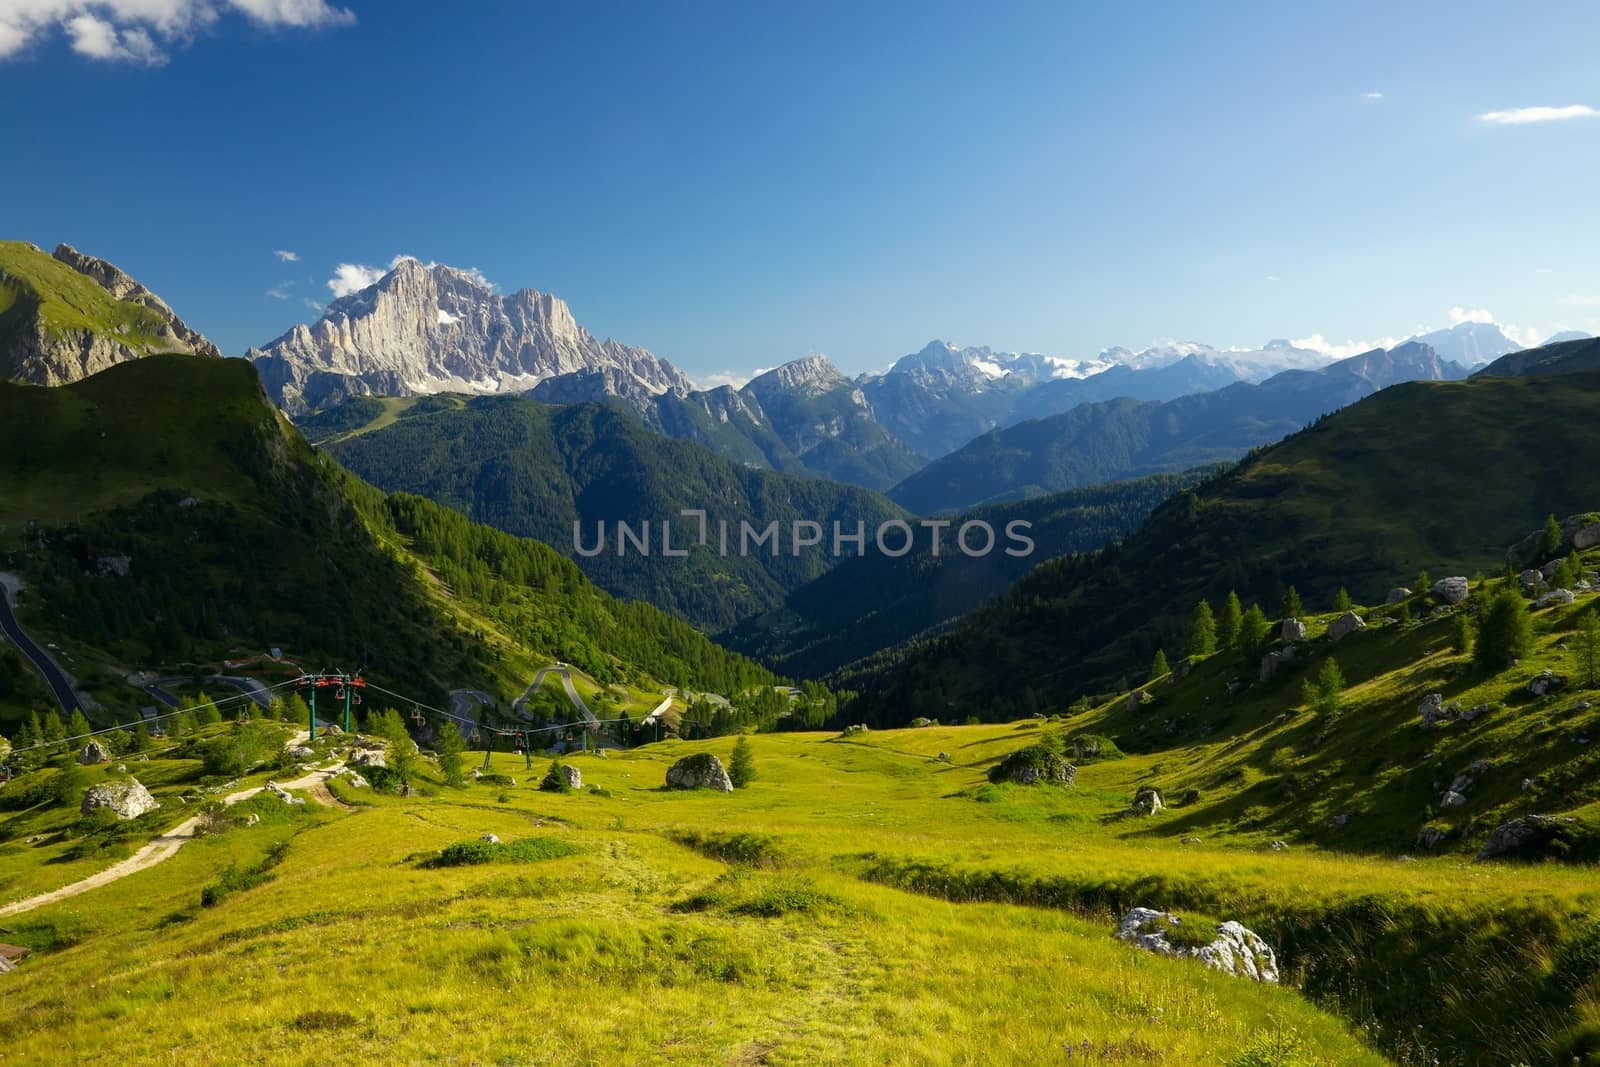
(54, 676)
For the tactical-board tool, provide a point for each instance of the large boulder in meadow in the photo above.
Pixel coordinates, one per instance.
(1397, 594)
(1146, 801)
(699, 771)
(92, 753)
(1273, 660)
(1293, 630)
(1452, 590)
(1587, 537)
(127, 798)
(1345, 625)
(1530, 579)
(1227, 947)
(1546, 682)
(1034, 765)
(1555, 598)
(1528, 837)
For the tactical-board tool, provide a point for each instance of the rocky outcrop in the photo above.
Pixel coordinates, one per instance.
(1452, 590)
(128, 798)
(1345, 625)
(1546, 682)
(1397, 594)
(111, 318)
(1293, 630)
(699, 771)
(1033, 765)
(1146, 801)
(1232, 948)
(428, 329)
(1525, 838)
(92, 753)
(1555, 598)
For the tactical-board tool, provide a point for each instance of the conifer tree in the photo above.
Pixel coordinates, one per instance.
(1158, 667)
(1341, 602)
(1202, 638)
(450, 746)
(742, 764)
(1588, 650)
(1505, 632)
(1228, 622)
(1291, 603)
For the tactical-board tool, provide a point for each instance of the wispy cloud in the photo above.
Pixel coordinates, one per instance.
(352, 278)
(727, 377)
(1374, 95)
(1458, 315)
(287, 256)
(281, 291)
(141, 31)
(1520, 116)
(1341, 349)
(312, 304)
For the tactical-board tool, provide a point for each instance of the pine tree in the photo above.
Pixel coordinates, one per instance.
(742, 764)
(1549, 540)
(1505, 632)
(1341, 602)
(1461, 635)
(77, 725)
(402, 752)
(54, 729)
(1325, 691)
(32, 732)
(1424, 582)
(450, 746)
(1253, 628)
(1588, 651)
(555, 779)
(1202, 638)
(1228, 622)
(1291, 603)
(1158, 667)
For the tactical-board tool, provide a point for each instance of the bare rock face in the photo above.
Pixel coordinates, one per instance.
(128, 798)
(428, 329)
(46, 353)
(700, 771)
(1452, 590)
(1232, 949)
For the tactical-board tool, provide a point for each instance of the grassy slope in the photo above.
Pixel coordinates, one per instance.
(34, 284)
(643, 948)
(277, 539)
(1441, 476)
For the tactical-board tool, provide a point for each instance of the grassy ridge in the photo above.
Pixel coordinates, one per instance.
(35, 287)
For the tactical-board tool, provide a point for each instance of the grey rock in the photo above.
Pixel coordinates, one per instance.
(300, 752)
(1279, 846)
(1293, 630)
(573, 775)
(1030, 767)
(1529, 831)
(1452, 590)
(1429, 836)
(252, 819)
(92, 753)
(1547, 682)
(128, 798)
(1397, 594)
(490, 839)
(369, 757)
(1554, 598)
(1452, 799)
(1345, 625)
(1432, 710)
(1587, 537)
(1235, 950)
(1274, 660)
(1146, 801)
(1339, 822)
(700, 771)
(1530, 579)
(354, 780)
(1138, 699)
(1550, 568)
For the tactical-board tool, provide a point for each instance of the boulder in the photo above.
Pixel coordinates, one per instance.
(369, 757)
(1273, 660)
(355, 781)
(1547, 682)
(1555, 598)
(1452, 590)
(252, 819)
(128, 798)
(300, 752)
(1530, 579)
(1339, 822)
(573, 776)
(1549, 569)
(1474, 712)
(1587, 536)
(1279, 846)
(1452, 799)
(1233, 949)
(1033, 765)
(1397, 594)
(490, 839)
(1527, 836)
(1429, 836)
(1146, 801)
(1345, 625)
(281, 793)
(699, 771)
(93, 752)
(1138, 699)
(1293, 630)
(1432, 710)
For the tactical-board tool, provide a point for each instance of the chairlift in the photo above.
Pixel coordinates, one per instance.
(417, 716)
(476, 736)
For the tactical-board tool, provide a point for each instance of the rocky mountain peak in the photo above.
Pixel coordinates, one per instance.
(430, 328)
(812, 374)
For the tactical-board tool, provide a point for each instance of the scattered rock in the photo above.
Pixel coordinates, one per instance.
(1188, 840)
(1452, 799)
(1547, 682)
(1429, 836)
(1279, 846)
(1033, 765)
(1146, 801)
(1452, 590)
(1525, 837)
(1273, 660)
(1397, 594)
(355, 781)
(1474, 712)
(1293, 630)
(252, 819)
(1190, 796)
(1550, 568)
(282, 794)
(1530, 579)
(1339, 822)
(1138, 699)
(369, 757)
(1587, 536)
(92, 753)
(702, 771)
(1345, 625)
(1554, 598)
(490, 839)
(128, 798)
(1234, 950)
(1432, 710)
(300, 752)
(573, 776)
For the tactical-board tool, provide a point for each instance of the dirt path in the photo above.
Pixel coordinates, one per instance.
(166, 846)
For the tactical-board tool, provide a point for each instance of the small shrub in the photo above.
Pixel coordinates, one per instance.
(743, 849)
(522, 850)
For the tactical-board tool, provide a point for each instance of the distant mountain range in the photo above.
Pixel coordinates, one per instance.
(1104, 441)
(66, 316)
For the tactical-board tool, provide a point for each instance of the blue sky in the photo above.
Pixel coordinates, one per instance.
(736, 185)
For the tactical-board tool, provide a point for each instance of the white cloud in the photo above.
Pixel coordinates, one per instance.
(352, 278)
(287, 257)
(726, 377)
(1374, 95)
(281, 291)
(473, 273)
(99, 39)
(136, 31)
(1342, 350)
(1519, 116)
(1459, 315)
(312, 304)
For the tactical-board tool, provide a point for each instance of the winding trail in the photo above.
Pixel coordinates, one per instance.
(166, 846)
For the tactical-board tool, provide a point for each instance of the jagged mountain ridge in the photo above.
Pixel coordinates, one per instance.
(67, 315)
(431, 328)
